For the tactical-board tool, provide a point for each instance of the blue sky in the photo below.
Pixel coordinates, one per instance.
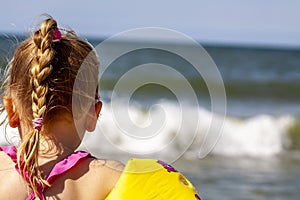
(262, 22)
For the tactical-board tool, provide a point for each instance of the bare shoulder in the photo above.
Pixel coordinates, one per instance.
(111, 166)
(106, 173)
(114, 165)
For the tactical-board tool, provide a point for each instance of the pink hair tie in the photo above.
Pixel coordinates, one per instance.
(56, 37)
(37, 123)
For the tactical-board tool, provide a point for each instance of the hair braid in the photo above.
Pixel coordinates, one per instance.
(40, 70)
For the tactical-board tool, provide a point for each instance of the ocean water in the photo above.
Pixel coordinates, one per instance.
(254, 154)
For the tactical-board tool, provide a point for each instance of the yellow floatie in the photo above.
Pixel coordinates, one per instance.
(144, 179)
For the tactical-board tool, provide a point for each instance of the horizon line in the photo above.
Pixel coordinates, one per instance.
(202, 42)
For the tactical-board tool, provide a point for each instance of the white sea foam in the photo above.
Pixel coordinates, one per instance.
(262, 135)
(258, 136)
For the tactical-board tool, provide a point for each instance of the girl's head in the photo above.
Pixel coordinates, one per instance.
(43, 71)
(40, 87)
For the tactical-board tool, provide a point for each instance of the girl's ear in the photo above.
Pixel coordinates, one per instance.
(92, 117)
(13, 117)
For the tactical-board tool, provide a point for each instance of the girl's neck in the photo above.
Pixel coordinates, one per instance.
(59, 139)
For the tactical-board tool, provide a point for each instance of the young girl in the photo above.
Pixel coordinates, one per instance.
(39, 101)
(51, 96)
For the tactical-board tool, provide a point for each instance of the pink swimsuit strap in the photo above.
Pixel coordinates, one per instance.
(61, 167)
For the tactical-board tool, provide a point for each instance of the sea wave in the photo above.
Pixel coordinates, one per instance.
(257, 136)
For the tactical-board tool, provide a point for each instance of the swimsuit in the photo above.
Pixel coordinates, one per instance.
(60, 168)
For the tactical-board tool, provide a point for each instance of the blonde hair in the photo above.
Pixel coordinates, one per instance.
(40, 81)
